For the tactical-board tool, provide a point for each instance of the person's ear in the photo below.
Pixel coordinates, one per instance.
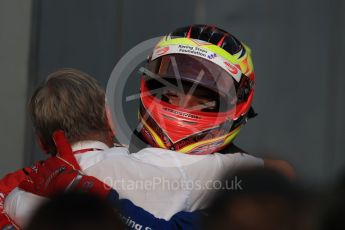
(41, 144)
(109, 118)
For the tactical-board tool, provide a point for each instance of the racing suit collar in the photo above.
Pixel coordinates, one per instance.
(89, 144)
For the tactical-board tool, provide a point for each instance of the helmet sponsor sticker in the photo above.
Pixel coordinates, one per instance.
(199, 52)
(162, 51)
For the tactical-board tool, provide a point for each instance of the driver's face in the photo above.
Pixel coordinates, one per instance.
(188, 101)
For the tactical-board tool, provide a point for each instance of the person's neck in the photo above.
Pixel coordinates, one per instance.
(101, 137)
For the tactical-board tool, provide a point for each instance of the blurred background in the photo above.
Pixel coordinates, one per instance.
(298, 48)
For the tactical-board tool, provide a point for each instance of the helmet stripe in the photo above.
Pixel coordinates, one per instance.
(158, 140)
(228, 137)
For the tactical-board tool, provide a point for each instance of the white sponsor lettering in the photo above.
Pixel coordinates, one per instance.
(230, 68)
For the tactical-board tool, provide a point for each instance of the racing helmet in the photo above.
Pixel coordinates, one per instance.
(205, 62)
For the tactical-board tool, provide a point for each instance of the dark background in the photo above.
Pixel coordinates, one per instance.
(298, 50)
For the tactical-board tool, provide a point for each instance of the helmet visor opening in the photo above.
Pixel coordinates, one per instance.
(189, 74)
(195, 95)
